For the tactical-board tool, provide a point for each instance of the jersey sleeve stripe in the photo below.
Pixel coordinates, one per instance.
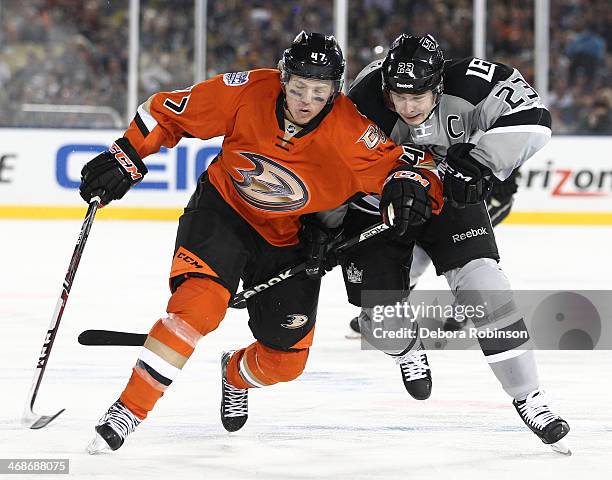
(147, 119)
(532, 116)
(141, 126)
(536, 104)
(520, 129)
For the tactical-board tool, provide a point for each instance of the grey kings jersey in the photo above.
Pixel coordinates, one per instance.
(485, 103)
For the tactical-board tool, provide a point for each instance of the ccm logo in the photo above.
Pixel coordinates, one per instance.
(410, 175)
(125, 162)
(189, 260)
(472, 232)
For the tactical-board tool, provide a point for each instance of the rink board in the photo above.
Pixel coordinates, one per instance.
(568, 182)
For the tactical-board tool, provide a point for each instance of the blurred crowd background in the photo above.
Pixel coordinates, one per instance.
(69, 52)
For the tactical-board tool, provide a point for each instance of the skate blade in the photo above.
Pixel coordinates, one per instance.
(561, 447)
(98, 445)
(352, 335)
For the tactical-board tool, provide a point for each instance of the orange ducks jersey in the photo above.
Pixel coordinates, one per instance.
(270, 170)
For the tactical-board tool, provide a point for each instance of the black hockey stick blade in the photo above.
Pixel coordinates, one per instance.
(40, 421)
(111, 337)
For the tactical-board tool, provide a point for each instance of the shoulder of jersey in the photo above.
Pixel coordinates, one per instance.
(366, 93)
(251, 77)
(472, 79)
(369, 74)
(343, 106)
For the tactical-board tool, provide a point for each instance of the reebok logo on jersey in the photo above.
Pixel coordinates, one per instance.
(295, 320)
(125, 161)
(235, 79)
(472, 232)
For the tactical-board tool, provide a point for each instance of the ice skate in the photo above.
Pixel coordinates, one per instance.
(234, 401)
(549, 427)
(116, 424)
(416, 373)
(452, 325)
(354, 330)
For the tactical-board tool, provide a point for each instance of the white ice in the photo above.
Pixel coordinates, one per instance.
(347, 416)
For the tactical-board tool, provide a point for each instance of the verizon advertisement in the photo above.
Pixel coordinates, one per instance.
(41, 168)
(570, 174)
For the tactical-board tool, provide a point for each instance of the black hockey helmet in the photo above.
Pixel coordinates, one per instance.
(413, 65)
(313, 55)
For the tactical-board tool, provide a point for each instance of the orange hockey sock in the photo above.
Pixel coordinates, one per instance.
(258, 366)
(195, 309)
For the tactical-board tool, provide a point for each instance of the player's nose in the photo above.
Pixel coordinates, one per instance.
(405, 107)
(307, 97)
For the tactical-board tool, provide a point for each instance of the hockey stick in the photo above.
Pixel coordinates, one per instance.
(34, 420)
(111, 337)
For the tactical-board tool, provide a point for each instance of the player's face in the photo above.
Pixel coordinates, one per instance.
(413, 108)
(306, 97)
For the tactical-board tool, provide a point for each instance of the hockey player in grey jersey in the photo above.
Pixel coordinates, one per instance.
(481, 121)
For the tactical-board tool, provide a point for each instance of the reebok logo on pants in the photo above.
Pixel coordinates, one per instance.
(472, 232)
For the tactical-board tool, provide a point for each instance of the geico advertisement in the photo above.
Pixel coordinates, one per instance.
(42, 167)
(568, 174)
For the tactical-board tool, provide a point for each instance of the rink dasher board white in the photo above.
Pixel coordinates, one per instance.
(568, 181)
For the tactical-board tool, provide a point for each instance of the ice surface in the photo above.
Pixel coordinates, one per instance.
(347, 416)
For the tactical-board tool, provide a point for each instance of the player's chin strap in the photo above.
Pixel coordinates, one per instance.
(111, 337)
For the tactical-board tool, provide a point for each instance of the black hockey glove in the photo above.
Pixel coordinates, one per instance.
(504, 190)
(404, 201)
(500, 200)
(112, 173)
(316, 238)
(466, 181)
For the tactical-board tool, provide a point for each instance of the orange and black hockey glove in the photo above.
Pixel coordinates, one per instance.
(405, 201)
(112, 173)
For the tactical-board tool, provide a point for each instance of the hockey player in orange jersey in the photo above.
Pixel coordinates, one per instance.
(293, 145)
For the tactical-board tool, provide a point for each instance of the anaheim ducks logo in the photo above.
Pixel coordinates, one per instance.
(270, 186)
(295, 320)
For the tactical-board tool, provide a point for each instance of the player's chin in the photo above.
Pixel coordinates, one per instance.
(305, 117)
(414, 120)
